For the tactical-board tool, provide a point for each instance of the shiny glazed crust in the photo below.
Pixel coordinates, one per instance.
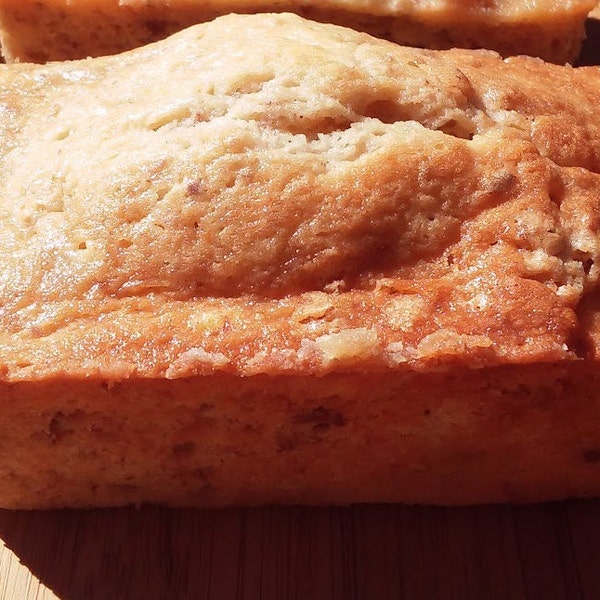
(264, 242)
(38, 31)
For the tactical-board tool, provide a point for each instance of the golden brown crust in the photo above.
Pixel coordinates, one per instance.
(321, 236)
(268, 216)
(38, 31)
(339, 204)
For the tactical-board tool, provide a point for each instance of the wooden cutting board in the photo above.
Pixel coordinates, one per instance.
(550, 551)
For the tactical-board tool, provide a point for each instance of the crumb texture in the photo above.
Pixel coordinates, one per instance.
(264, 194)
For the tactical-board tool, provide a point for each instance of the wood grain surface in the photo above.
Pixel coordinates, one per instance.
(549, 551)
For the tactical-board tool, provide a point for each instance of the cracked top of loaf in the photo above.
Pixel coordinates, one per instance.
(264, 194)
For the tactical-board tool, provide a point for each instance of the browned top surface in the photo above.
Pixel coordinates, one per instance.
(265, 194)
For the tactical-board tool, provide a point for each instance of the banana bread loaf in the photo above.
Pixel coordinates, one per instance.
(269, 260)
(41, 30)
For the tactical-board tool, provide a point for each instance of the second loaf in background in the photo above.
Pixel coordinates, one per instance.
(42, 30)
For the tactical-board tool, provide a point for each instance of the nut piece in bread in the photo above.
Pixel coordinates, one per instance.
(42, 30)
(268, 260)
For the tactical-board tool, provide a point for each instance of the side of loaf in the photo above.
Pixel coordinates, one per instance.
(268, 260)
(42, 30)
(507, 434)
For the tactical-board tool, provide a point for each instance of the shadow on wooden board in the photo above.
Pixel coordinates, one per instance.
(590, 54)
(361, 552)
